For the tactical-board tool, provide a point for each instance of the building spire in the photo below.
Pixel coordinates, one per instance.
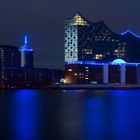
(25, 39)
(25, 47)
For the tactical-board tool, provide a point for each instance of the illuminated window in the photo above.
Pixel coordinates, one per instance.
(86, 78)
(120, 52)
(98, 56)
(69, 70)
(78, 20)
(75, 74)
(87, 51)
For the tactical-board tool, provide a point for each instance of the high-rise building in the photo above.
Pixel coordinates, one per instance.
(88, 41)
(9, 60)
(17, 71)
(90, 51)
(26, 55)
(94, 41)
(9, 56)
(89, 72)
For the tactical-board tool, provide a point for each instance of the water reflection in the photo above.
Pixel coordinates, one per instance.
(20, 115)
(70, 115)
(113, 116)
(25, 115)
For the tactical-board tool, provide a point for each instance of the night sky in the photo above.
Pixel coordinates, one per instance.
(43, 22)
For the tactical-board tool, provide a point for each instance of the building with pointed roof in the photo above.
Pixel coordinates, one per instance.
(94, 41)
(96, 55)
(88, 41)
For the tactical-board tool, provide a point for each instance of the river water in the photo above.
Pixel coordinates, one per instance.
(70, 115)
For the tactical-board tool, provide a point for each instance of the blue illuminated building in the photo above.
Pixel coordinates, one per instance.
(94, 41)
(26, 55)
(89, 72)
(95, 54)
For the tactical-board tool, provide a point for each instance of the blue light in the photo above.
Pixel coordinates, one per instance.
(119, 61)
(131, 32)
(26, 47)
(25, 118)
(115, 62)
(86, 63)
(26, 40)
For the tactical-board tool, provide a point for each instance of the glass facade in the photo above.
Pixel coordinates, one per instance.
(88, 41)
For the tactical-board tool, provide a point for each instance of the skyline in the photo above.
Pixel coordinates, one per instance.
(43, 22)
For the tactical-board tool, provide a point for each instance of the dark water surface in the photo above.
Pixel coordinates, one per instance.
(70, 115)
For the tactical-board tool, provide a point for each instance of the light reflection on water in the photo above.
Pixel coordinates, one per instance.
(70, 115)
(25, 115)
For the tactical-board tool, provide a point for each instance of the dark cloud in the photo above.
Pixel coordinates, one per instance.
(43, 21)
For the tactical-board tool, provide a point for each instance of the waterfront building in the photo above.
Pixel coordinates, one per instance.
(17, 71)
(88, 41)
(29, 78)
(43, 76)
(9, 56)
(16, 77)
(91, 47)
(89, 72)
(94, 41)
(9, 59)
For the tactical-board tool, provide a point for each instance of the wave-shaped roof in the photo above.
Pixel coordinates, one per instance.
(131, 33)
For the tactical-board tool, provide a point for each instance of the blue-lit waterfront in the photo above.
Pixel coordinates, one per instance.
(70, 115)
